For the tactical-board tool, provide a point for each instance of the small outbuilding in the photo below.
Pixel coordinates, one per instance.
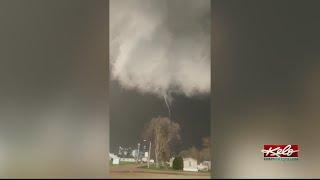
(114, 159)
(190, 164)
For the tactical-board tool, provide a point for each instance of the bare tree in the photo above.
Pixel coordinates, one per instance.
(163, 133)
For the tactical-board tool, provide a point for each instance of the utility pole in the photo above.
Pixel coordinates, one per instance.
(138, 152)
(149, 154)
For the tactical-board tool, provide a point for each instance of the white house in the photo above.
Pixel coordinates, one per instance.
(204, 166)
(190, 164)
(128, 160)
(207, 163)
(144, 159)
(146, 154)
(114, 159)
(171, 161)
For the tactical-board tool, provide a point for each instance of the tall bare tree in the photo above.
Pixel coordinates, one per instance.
(163, 133)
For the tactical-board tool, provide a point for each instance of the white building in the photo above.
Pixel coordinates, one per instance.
(204, 166)
(128, 160)
(114, 159)
(146, 154)
(144, 159)
(171, 161)
(207, 164)
(190, 164)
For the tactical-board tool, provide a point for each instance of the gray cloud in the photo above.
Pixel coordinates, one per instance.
(161, 47)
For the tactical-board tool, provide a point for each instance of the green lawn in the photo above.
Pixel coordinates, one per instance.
(123, 163)
(163, 168)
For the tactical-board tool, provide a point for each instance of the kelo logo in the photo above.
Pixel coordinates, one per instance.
(280, 152)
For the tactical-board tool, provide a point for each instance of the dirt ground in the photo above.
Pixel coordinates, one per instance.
(133, 171)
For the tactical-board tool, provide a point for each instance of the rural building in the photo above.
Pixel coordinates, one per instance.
(190, 164)
(171, 161)
(204, 166)
(114, 159)
(128, 160)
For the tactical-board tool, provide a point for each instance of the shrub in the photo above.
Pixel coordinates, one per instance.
(177, 163)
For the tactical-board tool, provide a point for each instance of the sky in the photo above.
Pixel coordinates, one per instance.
(159, 53)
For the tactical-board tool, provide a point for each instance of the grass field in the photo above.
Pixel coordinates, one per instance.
(140, 171)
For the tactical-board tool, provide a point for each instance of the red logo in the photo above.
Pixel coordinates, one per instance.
(280, 152)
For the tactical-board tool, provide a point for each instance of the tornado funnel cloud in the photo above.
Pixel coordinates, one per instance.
(168, 106)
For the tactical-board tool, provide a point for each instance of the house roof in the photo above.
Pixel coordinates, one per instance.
(189, 158)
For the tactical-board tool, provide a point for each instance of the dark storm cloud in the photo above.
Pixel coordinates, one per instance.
(160, 47)
(130, 110)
